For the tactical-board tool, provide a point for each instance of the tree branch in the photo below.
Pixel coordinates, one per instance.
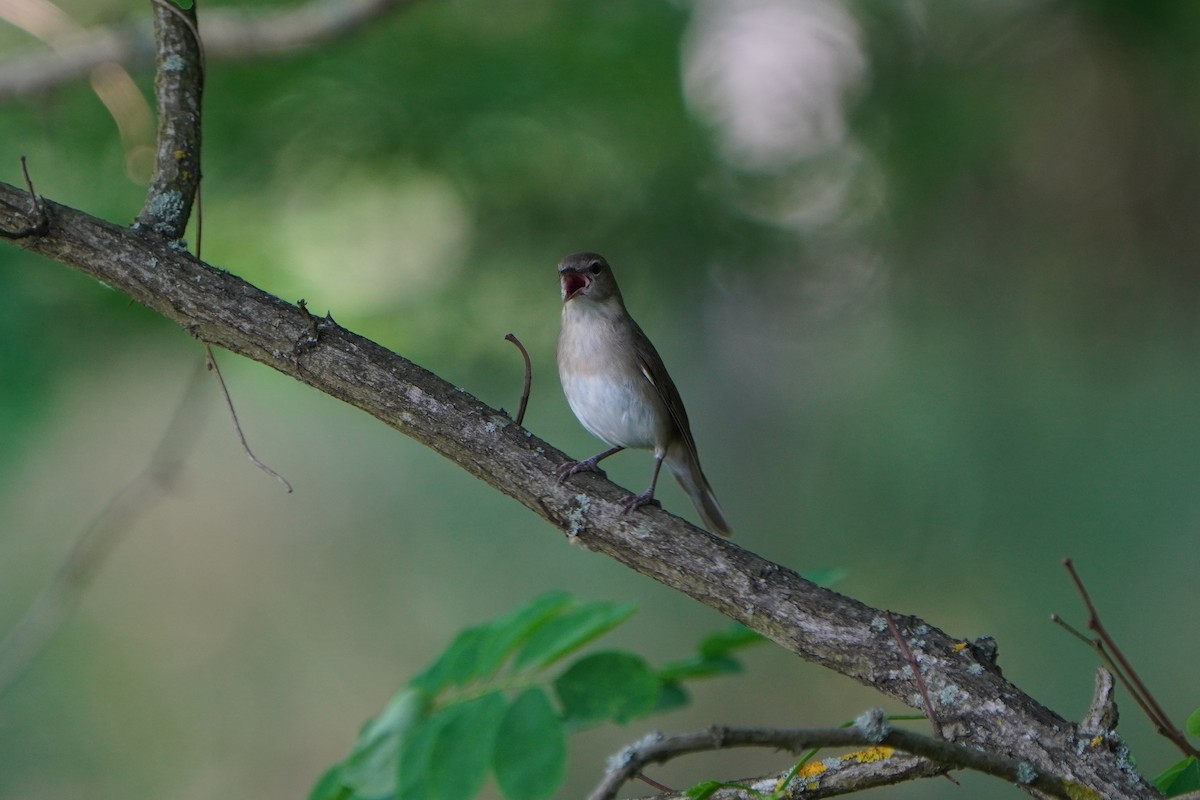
(977, 706)
(229, 35)
(871, 730)
(178, 88)
(834, 776)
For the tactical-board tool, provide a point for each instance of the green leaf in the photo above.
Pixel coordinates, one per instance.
(610, 685)
(703, 791)
(722, 643)
(370, 769)
(509, 632)
(1180, 778)
(1193, 723)
(671, 695)
(571, 631)
(477, 652)
(461, 751)
(412, 776)
(699, 667)
(330, 786)
(457, 665)
(531, 751)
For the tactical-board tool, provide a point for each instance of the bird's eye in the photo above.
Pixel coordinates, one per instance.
(595, 268)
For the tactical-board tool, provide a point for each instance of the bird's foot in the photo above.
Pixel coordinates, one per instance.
(575, 467)
(639, 500)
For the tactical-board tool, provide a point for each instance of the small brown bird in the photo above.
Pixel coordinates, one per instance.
(619, 389)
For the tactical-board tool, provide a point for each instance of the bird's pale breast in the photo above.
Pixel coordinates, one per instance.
(606, 391)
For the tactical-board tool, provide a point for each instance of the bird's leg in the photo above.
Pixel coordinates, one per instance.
(646, 498)
(586, 465)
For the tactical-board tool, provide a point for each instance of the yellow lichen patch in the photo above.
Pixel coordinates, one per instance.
(870, 755)
(1079, 792)
(1096, 740)
(811, 770)
(958, 647)
(180, 155)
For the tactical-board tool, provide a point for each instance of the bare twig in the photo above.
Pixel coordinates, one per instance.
(916, 671)
(229, 35)
(1106, 647)
(528, 377)
(871, 730)
(33, 198)
(41, 219)
(34, 631)
(653, 784)
(211, 361)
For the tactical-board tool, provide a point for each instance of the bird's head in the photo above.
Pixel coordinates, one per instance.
(587, 276)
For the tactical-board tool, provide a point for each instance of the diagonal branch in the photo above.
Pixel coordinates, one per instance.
(977, 706)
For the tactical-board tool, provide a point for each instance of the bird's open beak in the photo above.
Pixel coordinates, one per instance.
(573, 283)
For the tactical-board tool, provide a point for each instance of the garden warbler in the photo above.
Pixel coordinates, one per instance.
(619, 389)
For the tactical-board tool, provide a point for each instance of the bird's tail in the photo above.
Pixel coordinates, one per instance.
(685, 466)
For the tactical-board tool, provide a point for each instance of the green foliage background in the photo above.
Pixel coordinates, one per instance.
(941, 353)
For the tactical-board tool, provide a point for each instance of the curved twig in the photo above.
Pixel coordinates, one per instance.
(528, 378)
(41, 220)
(210, 361)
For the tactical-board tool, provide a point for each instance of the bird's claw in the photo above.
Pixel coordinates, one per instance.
(575, 467)
(637, 501)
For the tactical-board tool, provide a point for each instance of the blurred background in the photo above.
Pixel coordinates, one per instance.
(925, 273)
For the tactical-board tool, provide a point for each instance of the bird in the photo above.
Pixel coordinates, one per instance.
(619, 389)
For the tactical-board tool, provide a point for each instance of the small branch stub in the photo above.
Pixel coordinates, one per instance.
(37, 212)
(528, 377)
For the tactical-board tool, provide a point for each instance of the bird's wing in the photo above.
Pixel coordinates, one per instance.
(652, 367)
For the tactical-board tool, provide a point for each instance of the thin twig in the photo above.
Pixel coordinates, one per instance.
(211, 361)
(1107, 647)
(653, 784)
(872, 729)
(37, 206)
(41, 219)
(29, 637)
(916, 670)
(528, 377)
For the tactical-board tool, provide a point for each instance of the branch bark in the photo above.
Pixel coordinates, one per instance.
(975, 704)
(178, 89)
(871, 730)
